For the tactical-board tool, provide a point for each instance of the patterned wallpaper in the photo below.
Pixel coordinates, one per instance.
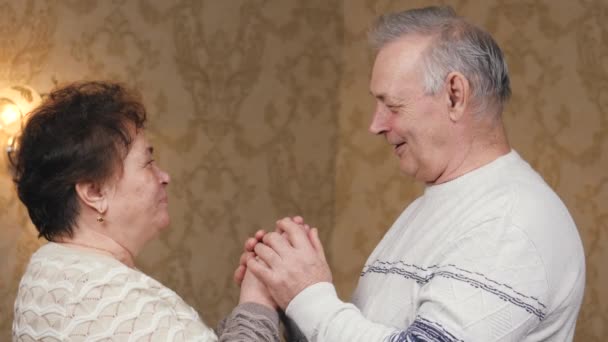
(242, 104)
(259, 109)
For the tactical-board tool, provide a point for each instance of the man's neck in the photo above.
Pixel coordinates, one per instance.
(485, 145)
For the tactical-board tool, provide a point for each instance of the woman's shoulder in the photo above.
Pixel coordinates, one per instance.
(104, 297)
(66, 275)
(57, 263)
(86, 270)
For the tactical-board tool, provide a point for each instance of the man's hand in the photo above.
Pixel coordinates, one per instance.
(289, 265)
(248, 253)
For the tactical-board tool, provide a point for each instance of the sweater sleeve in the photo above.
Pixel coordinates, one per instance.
(250, 322)
(475, 294)
(344, 322)
(292, 332)
(321, 316)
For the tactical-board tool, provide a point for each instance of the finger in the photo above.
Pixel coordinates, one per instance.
(250, 243)
(260, 271)
(316, 242)
(296, 235)
(267, 254)
(278, 222)
(278, 242)
(259, 234)
(245, 257)
(239, 274)
(298, 219)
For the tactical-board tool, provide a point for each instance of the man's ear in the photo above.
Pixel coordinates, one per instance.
(92, 195)
(458, 92)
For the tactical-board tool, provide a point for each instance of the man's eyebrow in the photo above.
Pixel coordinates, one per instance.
(387, 99)
(380, 96)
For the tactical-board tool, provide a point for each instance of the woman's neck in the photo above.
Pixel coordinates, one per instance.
(94, 241)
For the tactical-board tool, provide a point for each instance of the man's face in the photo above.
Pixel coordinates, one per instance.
(415, 124)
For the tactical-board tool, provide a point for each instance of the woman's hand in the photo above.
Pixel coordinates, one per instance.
(254, 291)
(239, 273)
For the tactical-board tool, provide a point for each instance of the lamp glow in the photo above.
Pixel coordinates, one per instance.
(15, 103)
(10, 114)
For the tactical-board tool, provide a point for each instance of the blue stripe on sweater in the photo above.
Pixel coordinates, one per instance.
(424, 330)
(423, 275)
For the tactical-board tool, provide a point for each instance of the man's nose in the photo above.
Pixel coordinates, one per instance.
(379, 122)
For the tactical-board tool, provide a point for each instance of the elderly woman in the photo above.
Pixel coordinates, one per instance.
(86, 173)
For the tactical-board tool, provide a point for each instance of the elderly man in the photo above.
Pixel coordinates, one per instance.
(488, 252)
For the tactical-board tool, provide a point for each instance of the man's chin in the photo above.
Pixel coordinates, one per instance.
(407, 168)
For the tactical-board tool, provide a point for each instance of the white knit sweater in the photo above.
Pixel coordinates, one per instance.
(72, 295)
(491, 256)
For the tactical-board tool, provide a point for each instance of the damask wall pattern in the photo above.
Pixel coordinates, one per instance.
(259, 109)
(242, 109)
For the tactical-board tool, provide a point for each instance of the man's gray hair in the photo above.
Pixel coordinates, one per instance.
(457, 46)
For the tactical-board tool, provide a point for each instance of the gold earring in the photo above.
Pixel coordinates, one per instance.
(100, 218)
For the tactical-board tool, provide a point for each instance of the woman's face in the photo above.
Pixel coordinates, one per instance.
(137, 198)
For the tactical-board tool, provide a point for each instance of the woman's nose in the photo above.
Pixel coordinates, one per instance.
(164, 177)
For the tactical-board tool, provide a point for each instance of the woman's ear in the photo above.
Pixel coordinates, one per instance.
(92, 195)
(458, 91)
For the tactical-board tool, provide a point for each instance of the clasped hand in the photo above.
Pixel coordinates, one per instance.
(286, 261)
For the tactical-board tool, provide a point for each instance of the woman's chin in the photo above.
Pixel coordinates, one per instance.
(165, 224)
(161, 225)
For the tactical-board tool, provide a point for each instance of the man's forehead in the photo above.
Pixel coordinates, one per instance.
(405, 50)
(396, 62)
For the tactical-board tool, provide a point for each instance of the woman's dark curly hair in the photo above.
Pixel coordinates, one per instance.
(80, 133)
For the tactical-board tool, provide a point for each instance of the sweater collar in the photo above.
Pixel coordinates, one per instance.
(464, 182)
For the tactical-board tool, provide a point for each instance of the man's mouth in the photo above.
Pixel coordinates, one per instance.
(397, 149)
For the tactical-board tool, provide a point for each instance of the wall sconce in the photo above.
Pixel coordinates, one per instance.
(15, 103)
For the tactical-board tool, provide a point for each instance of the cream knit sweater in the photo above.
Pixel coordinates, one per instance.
(490, 256)
(74, 295)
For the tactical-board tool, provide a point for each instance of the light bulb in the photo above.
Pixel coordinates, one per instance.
(9, 118)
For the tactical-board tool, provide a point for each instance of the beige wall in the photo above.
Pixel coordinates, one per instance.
(259, 109)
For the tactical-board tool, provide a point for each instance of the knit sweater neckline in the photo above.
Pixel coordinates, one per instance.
(463, 182)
